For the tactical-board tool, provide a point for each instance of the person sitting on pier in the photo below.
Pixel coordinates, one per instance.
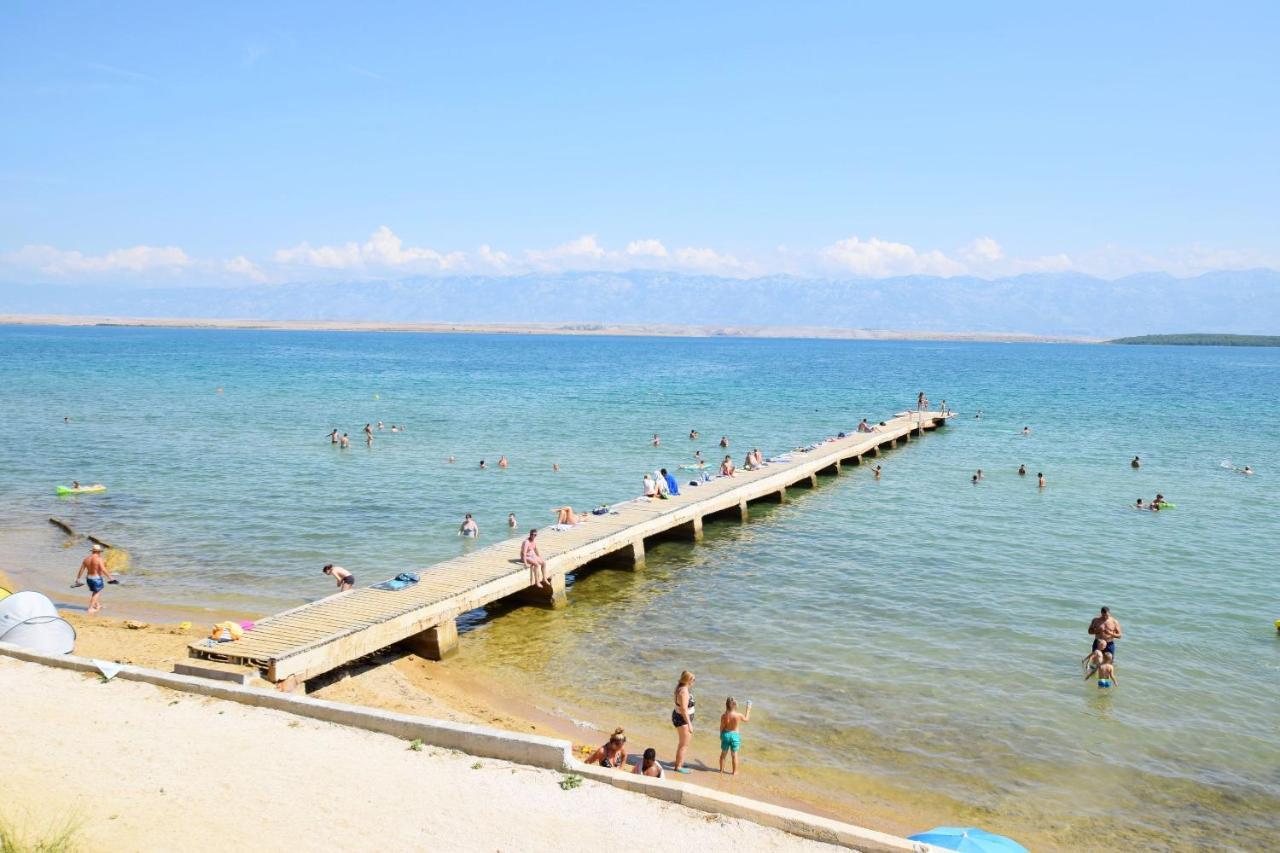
(345, 579)
(649, 765)
(726, 467)
(650, 487)
(533, 560)
(673, 487)
(864, 426)
(749, 462)
(613, 754)
(660, 483)
(759, 457)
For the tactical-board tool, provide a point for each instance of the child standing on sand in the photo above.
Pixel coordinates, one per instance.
(730, 739)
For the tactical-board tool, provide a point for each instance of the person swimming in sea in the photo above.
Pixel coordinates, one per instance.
(730, 739)
(1026, 430)
(877, 472)
(1022, 470)
(1136, 463)
(980, 474)
(974, 479)
(1040, 480)
(469, 527)
(511, 520)
(697, 457)
(502, 462)
(693, 435)
(1139, 505)
(483, 467)
(1093, 660)
(724, 441)
(346, 441)
(655, 441)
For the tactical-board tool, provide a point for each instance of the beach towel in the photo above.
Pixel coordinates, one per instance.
(400, 581)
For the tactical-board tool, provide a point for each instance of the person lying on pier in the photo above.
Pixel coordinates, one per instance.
(726, 467)
(649, 765)
(533, 560)
(566, 515)
(613, 754)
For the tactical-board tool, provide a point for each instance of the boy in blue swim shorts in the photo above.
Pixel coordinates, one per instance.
(730, 739)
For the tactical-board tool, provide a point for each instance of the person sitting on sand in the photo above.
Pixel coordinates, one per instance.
(673, 488)
(469, 527)
(533, 560)
(730, 739)
(1136, 463)
(682, 719)
(566, 515)
(613, 754)
(726, 467)
(345, 579)
(649, 765)
(1106, 671)
(93, 569)
(650, 488)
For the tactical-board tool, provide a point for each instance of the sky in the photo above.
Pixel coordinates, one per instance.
(238, 142)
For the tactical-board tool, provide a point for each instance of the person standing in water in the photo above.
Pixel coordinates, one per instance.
(345, 579)
(93, 569)
(511, 520)
(724, 441)
(1040, 480)
(730, 739)
(1022, 470)
(502, 462)
(877, 472)
(682, 719)
(1136, 463)
(469, 527)
(346, 441)
(1104, 627)
(655, 441)
(693, 435)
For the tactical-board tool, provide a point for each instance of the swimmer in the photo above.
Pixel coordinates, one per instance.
(502, 462)
(469, 527)
(75, 484)
(368, 430)
(554, 468)
(1247, 471)
(345, 579)
(974, 479)
(379, 426)
(697, 457)
(655, 440)
(452, 459)
(730, 739)
(693, 435)
(395, 428)
(877, 472)
(978, 415)
(368, 440)
(483, 467)
(1022, 470)
(66, 420)
(724, 441)
(1026, 430)
(346, 440)
(1040, 480)
(1138, 504)
(511, 520)
(1136, 463)
(333, 437)
(979, 473)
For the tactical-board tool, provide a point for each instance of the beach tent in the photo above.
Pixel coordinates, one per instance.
(29, 619)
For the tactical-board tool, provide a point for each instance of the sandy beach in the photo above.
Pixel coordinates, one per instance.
(648, 330)
(129, 766)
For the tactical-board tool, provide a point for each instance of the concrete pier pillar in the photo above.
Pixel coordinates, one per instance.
(875, 451)
(553, 597)
(809, 482)
(743, 512)
(637, 555)
(781, 495)
(696, 526)
(857, 460)
(435, 643)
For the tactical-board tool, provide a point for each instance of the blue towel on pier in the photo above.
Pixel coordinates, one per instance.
(400, 581)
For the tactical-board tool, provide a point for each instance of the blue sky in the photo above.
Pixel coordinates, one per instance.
(278, 141)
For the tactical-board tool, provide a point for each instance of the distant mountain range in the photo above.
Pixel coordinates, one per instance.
(1240, 302)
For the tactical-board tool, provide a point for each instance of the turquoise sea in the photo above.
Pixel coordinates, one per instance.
(914, 640)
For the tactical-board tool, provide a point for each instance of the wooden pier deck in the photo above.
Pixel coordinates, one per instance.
(307, 641)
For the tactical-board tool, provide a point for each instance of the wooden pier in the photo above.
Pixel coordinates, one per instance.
(307, 641)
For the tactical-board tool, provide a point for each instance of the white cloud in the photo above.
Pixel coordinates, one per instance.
(646, 248)
(876, 258)
(383, 249)
(136, 259)
(240, 265)
(584, 248)
(983, 250)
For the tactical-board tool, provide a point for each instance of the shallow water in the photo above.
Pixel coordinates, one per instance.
(918, 637)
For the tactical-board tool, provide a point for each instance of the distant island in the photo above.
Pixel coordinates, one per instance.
(1203, 340)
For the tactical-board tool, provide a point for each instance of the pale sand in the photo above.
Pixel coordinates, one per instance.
(146, 768)
(665, 330)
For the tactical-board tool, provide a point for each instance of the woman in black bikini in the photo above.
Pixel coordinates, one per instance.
(682, 718)
(613, 754)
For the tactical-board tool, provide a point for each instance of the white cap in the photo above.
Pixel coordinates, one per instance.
(96, 547)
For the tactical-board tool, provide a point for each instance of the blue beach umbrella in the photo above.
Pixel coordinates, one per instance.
(968, 839)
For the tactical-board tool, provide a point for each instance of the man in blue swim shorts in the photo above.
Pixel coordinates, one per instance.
(1105, 627)
(94, 571)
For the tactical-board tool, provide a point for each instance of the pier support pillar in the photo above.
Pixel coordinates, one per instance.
(553, 597)
(435, 643)
(637, 555)
(696, 526)
(856, 460)
(781, 495)
(744, 514)
(875, 451)
(809, 482)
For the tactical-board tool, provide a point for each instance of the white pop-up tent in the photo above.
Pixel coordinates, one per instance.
(29, 619)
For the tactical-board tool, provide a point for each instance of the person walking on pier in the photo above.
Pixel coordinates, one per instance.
(682, 719)
(533, 560)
